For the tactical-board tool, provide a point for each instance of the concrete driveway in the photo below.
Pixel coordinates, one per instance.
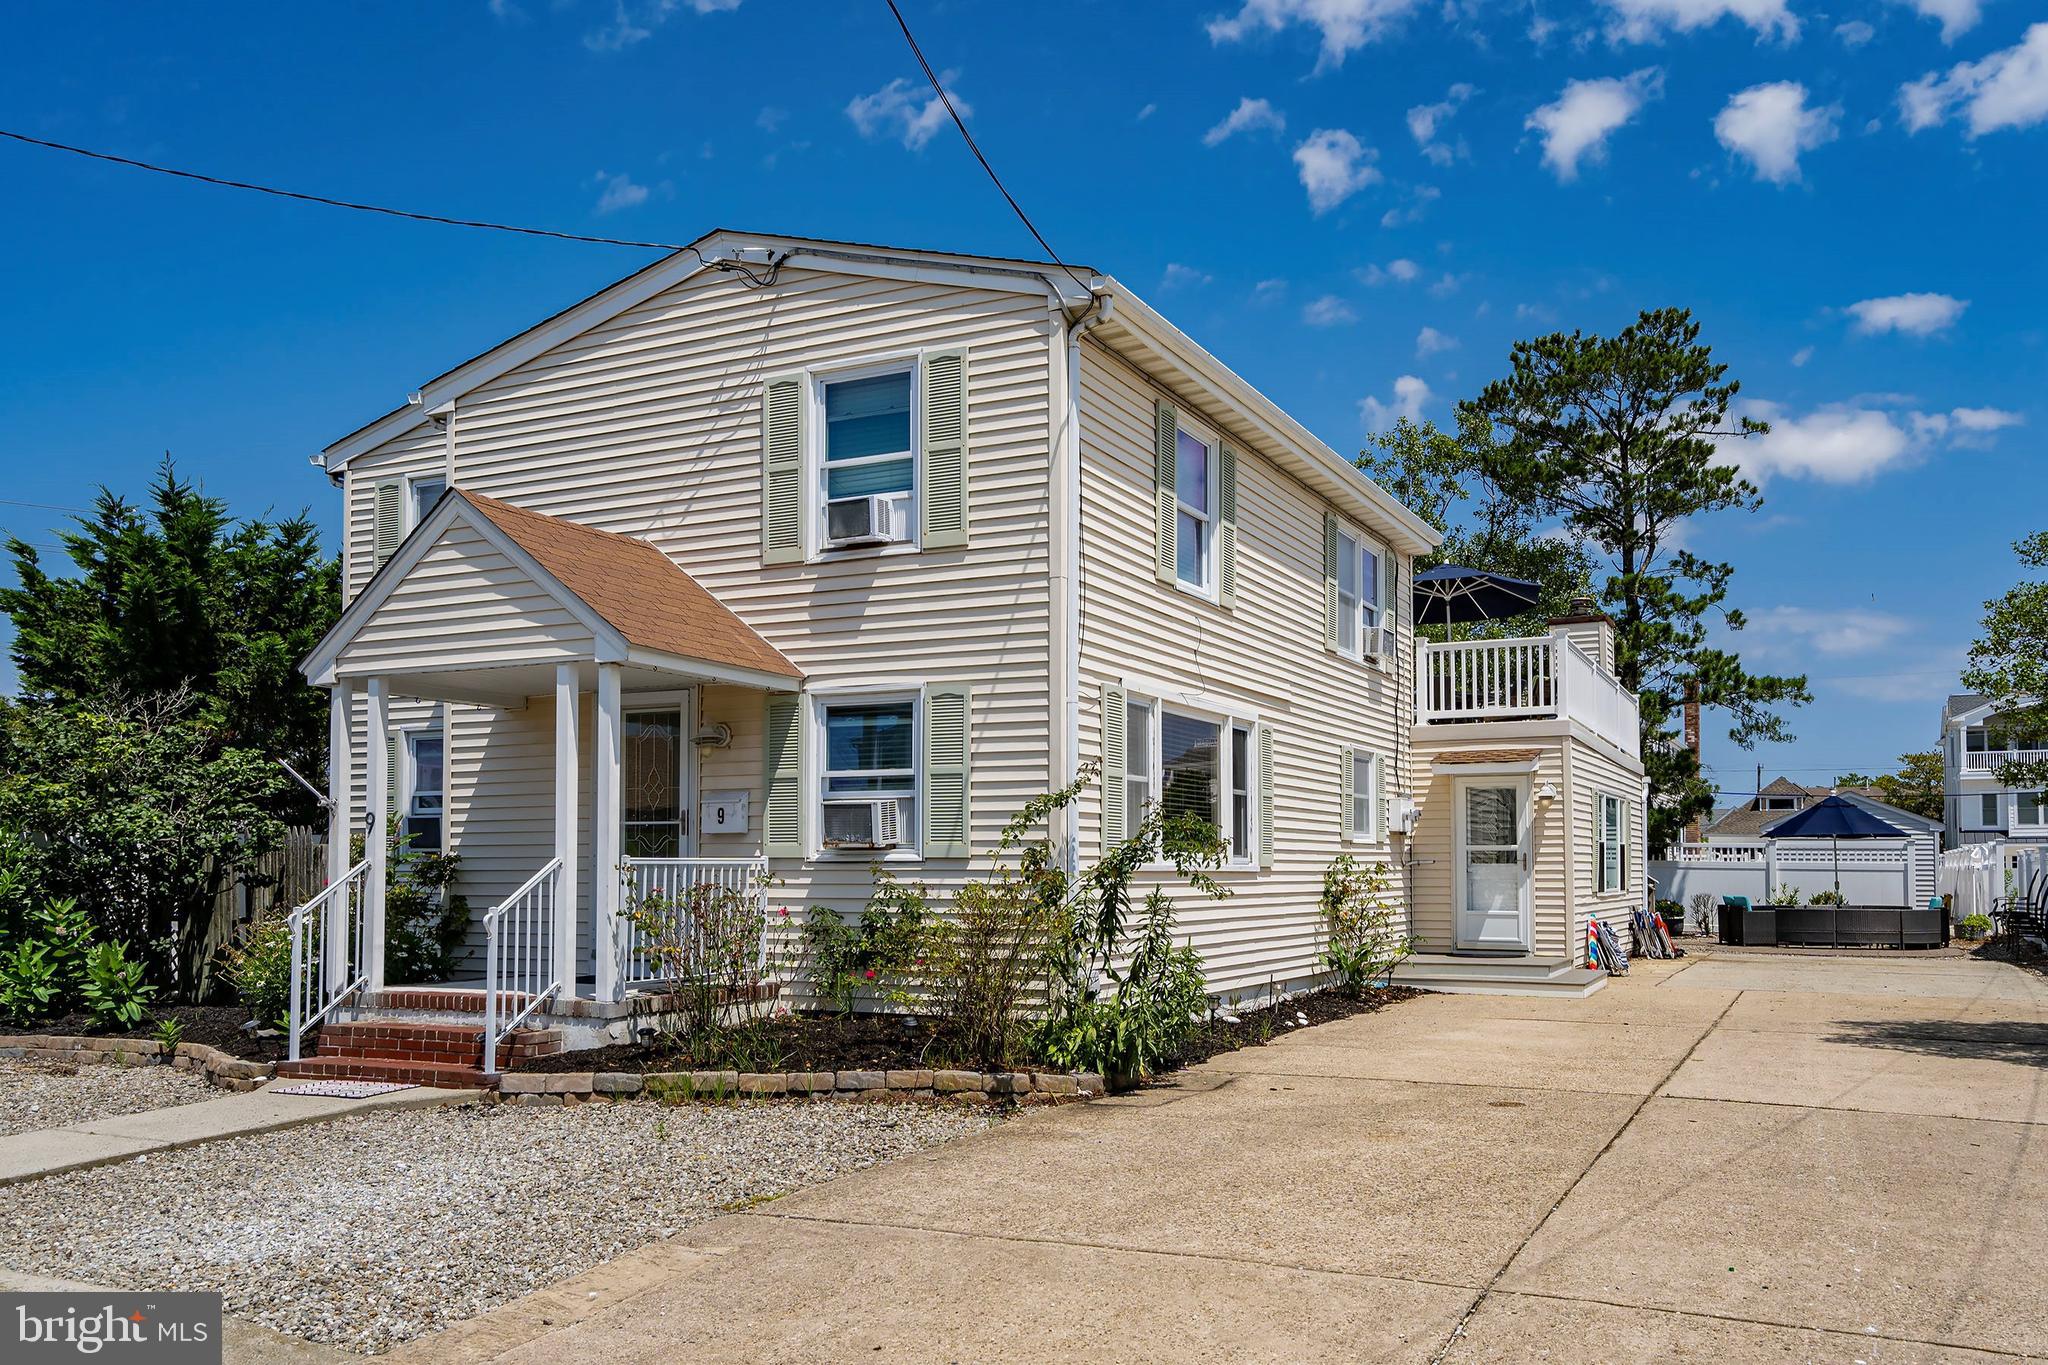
(1727, 1158)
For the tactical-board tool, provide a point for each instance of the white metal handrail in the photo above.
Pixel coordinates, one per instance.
(519, 957)
(327, 967)
(675, 883)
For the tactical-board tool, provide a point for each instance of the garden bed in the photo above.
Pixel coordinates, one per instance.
(216, 1026)
(1255, 1028)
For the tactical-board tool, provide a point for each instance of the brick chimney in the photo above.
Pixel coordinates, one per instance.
(1590, 629)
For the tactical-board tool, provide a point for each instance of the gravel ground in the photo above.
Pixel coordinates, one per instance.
(50, 1095)
(376, 1228)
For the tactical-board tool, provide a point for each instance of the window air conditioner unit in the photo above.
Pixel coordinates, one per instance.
(876, 519)
(1378, 642)
(863, 824)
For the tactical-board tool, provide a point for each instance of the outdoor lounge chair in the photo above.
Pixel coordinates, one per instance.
(2025, 914)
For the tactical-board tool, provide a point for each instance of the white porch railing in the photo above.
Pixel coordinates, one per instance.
(328, 961)
(519, 957)
(1524, 679)
(1987, 760)
(679, 885)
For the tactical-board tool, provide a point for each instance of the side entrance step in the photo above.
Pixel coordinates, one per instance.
(415, 1052)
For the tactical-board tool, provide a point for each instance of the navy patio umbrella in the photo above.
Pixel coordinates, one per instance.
(1835, 818)
(1451, 594)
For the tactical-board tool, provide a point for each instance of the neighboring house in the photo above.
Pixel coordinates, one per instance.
(1979, 808)
(805, 556)
(1739, 855)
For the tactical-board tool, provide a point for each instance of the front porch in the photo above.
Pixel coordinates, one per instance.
(544, 700)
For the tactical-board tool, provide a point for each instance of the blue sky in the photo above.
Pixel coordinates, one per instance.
(1359, 204)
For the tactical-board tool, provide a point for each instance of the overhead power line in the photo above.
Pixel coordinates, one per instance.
(46, 506)
(332, 202)
(997, 180)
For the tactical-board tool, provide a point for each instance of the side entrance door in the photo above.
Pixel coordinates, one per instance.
(1492, 872)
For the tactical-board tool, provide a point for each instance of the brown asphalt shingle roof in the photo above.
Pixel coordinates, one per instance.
(636, 588)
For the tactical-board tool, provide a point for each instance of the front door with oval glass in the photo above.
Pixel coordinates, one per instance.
(1492, 876)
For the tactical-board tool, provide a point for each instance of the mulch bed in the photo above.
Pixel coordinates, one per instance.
(871, 1042)
(217, 1026)
(2014, 949)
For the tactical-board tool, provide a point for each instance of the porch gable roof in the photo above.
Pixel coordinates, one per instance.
(638, 605)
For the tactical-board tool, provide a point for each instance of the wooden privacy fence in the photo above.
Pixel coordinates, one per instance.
(280, 880)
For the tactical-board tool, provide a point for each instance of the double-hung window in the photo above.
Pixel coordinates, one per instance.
(1242, 818)
(1138, 793)
(426, 804)
(869, 781)
(1612, 843)
(1359, 567)
(868, 458)
(1990, 811)
(2030, 808)
(1194, 498)
(1192, 765)
(1365, 796)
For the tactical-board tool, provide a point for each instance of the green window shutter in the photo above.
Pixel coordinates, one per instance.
(782, 469)
(387, 521)
(942, 501)
(392, 754)
(947, 833)
(1265, 761)
(1330, 581)
(1115, 753)
(782, 819)
(1165, 439)
(1226, 534)
(1345, 763)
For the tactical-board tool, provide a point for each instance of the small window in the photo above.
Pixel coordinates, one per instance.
(870, 757)
(1988, 813)
(1780, 803)
(1612, 837)
(2031, 808)
(1365, 792)
(1137, 764)
(1193, 494)
(1241, 849)
(426, 751)
(869, 460)
(1191, 767)
(651, 782)
(425, 493)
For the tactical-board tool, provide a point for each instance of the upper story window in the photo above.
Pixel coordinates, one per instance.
(1194, 496)
(1781, 803)
(1359, 611)
(868, 459)
(425, 493)
(869, 782)
(2030, 808)
(425, 807)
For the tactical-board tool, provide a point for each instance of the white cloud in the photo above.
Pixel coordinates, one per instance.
(1854, 33)
(1328, 311)
(1268, 291)
(1410, 397)
(1334, 165)
(1837, 631)
(2008, 89)
(1645, 21)
(1400, 270)
(1913, 314)
(1180, 276)
(619, 193)
(1345, 25)
(1854, 442)
(1957, 16)
(1147, 112)
(1985, 419)
(1771, 125)
(1448, 285)
(1801, 356)
(899, 110)
(634, 21)
(1250, 116)
(1419, 200)
(1576, 125)
(1426, 120)
(771, 118)
(1429, 341)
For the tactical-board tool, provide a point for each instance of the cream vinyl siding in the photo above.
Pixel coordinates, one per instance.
(650, 425)
(1595, 769)
(1266, 655)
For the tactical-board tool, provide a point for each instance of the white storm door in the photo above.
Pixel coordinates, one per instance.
(1492, 874)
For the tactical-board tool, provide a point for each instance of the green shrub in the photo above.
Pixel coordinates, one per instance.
(66, 935)
(28, 982)
(1828, 898)
(259, 968)
(704, 948)
(1975, 926)
(1146, 1023)
(876, 956)
(1362, 943)
(115, 992)
(425, 920)
(1785, 895)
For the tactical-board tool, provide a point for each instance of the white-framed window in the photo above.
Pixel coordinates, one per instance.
(1360, 567)
(1359, 821)
(1194, 499)
(1990, 811)
(1191, 766)
(2030, 808)
(1780, 803)
(1139, 791)
(867, 454)
(423, 492)
(1611, 843)
(871, 773)
(1243, 817)
(426, 786)
(654, 817)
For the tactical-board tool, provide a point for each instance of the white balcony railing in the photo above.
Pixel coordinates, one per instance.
(1989, 760)
(1523, 679)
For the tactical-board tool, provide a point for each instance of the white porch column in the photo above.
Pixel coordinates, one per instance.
(566, 806)
(334, 932)
(376, 833)
(604, 868)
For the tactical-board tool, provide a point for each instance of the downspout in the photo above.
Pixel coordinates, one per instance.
(1065, 547)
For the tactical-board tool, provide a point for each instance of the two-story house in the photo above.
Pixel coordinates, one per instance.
(802, 556)
(1980, 808)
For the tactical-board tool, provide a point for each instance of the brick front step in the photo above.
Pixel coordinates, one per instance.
(373, 1069)
(424, 1044)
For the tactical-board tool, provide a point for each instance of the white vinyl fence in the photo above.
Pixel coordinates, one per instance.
(1975, 876)
(1877, 873)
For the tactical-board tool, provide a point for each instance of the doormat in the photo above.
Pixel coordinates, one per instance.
(342, 1090)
